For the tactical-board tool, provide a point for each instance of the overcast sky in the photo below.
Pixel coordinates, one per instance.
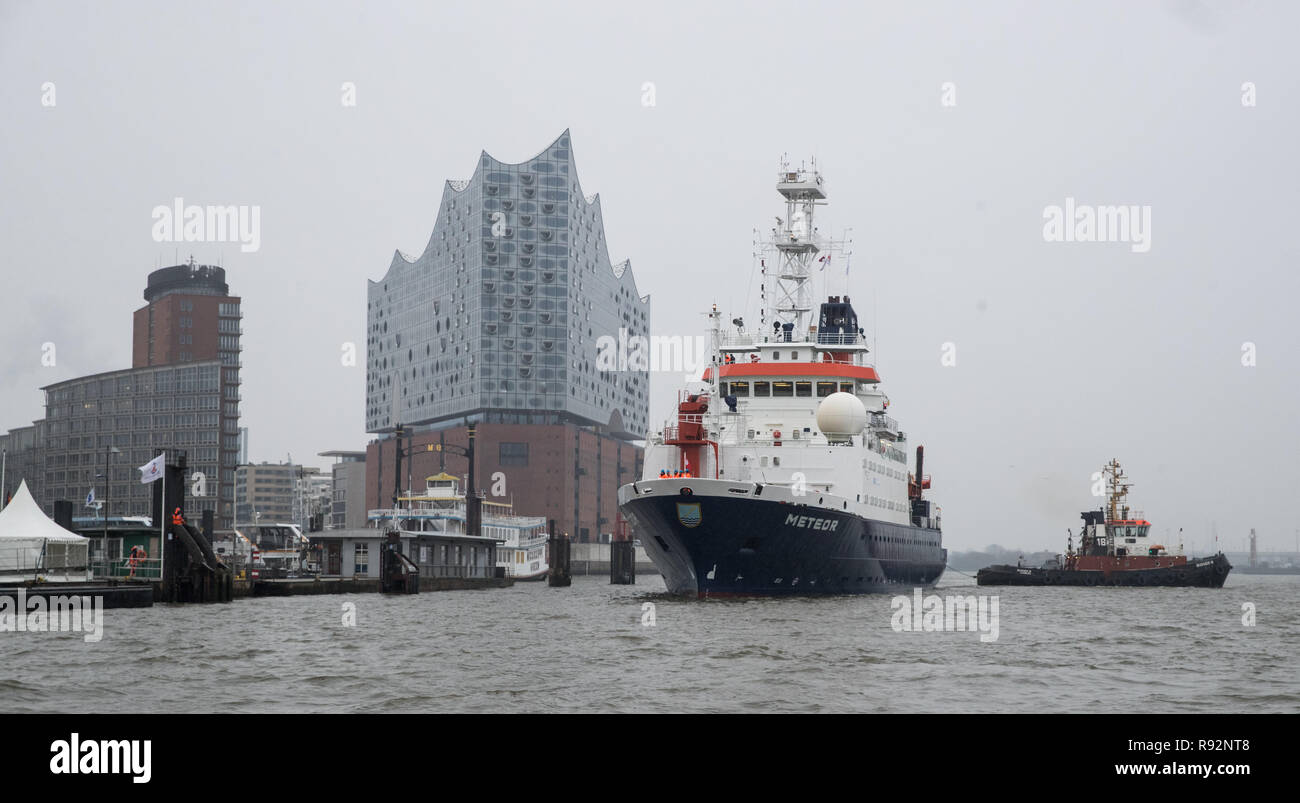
(1067, 353)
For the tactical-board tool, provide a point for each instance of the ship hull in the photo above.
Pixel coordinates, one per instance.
(712, 543)
(1201, 572)
(533, 576)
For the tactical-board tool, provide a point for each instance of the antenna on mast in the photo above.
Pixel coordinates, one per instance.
(795, 244)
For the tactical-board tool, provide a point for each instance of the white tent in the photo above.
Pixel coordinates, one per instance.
(33, 547)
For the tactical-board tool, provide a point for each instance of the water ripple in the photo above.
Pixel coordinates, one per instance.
(583, 649)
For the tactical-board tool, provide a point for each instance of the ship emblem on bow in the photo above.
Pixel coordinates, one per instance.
(688, 513)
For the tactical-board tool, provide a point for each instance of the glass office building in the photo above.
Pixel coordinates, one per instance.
(500, 319)
(139, 412)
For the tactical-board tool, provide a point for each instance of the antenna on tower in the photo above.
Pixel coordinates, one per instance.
(794, 245)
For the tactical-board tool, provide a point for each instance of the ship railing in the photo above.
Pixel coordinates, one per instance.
(792, 238)
(882, 448)
(480, 572)
(510, 518)
(673, 431)
(884, 422)
(790, 338)
(839, 338)
(737, 341)
(744, 341)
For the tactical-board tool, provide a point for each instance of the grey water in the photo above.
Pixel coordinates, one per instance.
(593, 647)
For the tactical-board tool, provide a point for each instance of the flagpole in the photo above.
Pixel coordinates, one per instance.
(162, 518)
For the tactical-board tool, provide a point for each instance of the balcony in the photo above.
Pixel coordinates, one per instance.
(882, 423)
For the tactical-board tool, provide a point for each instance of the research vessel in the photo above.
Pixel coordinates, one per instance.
(781, 471)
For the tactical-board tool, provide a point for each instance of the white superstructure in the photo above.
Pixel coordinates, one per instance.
(441, 507)
(797, 403)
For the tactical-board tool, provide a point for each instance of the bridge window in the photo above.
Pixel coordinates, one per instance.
(782, 388)
(825, 388)
(803, 388)
(739, 388)
(847, 387)
(763, 389)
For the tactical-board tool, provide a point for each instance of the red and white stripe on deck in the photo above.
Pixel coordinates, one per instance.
(863, 373)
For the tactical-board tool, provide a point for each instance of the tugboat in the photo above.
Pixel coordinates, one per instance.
(1115, 549)
(781, 473)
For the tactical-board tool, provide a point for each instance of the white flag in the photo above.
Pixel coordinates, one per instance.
(153, 469)
(90, 498)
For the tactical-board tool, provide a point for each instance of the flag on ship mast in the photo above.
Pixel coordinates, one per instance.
(825, 260)
(90, 498)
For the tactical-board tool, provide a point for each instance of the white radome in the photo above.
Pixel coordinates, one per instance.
(841, 415)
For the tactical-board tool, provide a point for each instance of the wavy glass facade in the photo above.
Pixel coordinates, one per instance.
(501, 316)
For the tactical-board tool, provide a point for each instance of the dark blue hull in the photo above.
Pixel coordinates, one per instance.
(713, 545)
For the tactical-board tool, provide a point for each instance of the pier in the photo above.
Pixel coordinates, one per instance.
(294, 587)
(114, 595)
(597, 559)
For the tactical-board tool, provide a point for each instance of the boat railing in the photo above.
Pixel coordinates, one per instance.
(510, 518)
(839, 338)
(482, 572)
(737, 341)
(672, 430)
(882, 421)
